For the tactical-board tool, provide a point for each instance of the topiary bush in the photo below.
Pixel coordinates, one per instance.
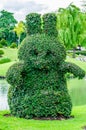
(1, 46)
(49, 24)
(1, 52)
(5, 60)
(3, 42)
(33, 23)
(38, 83)
(13, 45)
(82, 52)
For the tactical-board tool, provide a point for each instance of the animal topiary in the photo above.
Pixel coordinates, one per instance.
(38, 83)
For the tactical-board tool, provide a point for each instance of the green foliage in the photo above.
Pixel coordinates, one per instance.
(7, 23)
(13, 45)
(1, 46)
(81, 52)
(42, 47)
(71, 26)
(14, 75)
(19, 30)
(4, 60)
(1, 52)
(3, 42)
(38, 83)
(33, 23)
(49, 24)
(72, 68)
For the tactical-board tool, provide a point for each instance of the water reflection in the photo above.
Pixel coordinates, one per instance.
(3, 95)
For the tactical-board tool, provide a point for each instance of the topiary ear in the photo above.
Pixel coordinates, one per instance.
(49, 24)
(33, 23)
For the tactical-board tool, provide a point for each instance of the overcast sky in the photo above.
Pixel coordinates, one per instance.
(21, 8)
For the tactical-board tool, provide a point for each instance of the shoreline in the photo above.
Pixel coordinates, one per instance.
(2, 77)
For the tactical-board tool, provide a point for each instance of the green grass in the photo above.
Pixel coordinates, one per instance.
(4, 68)
(76, 123)
(12, 55)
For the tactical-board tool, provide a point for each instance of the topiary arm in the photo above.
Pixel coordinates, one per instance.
(72, 68)
(14, 74)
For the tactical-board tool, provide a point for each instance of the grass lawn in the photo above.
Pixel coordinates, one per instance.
(11, 54)
(76, 123)
(4, 68)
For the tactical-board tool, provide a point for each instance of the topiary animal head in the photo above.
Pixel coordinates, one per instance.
(41, 51)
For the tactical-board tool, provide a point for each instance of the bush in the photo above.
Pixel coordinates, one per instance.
(49, 24)
(4, 60)
(81, 53)
(3, 42)
(13, 45)
(1, 52)
(1, 46)
(38, 83)
(41, 93)
(33, 23)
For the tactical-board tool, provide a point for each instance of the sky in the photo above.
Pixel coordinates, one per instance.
(21, 8)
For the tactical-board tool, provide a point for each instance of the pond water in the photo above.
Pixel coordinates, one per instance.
(3, 95)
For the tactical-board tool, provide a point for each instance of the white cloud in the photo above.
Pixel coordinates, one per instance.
(21, 8)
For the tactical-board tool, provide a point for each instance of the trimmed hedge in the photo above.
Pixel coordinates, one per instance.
(38, 83)
(49, 24)
(33, 23)
(1, 52)
(4, 60)
(3, 42)
(1, 46)
(81, 52)
(13, 45)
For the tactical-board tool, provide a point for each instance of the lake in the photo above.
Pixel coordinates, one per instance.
(3, 95)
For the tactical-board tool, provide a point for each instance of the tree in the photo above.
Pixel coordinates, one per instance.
(7, 23)
(71, 26)
(19, 29)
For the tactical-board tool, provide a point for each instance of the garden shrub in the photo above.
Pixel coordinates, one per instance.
(13, 45)
(49, 24)
(4, 60)
(3, 42)
(1, 46)
(1, 52)
(38, 83)
(33, 23)
(81, 52)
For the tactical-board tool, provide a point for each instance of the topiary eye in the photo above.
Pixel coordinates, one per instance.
(34, 52)
(49, 52)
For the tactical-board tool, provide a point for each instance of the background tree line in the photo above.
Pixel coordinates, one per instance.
(71, 26)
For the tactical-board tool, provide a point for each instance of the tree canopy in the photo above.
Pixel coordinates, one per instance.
(71, 25)
(7, 23)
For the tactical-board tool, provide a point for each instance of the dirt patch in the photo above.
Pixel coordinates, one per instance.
(7, 115)
(53, 118)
